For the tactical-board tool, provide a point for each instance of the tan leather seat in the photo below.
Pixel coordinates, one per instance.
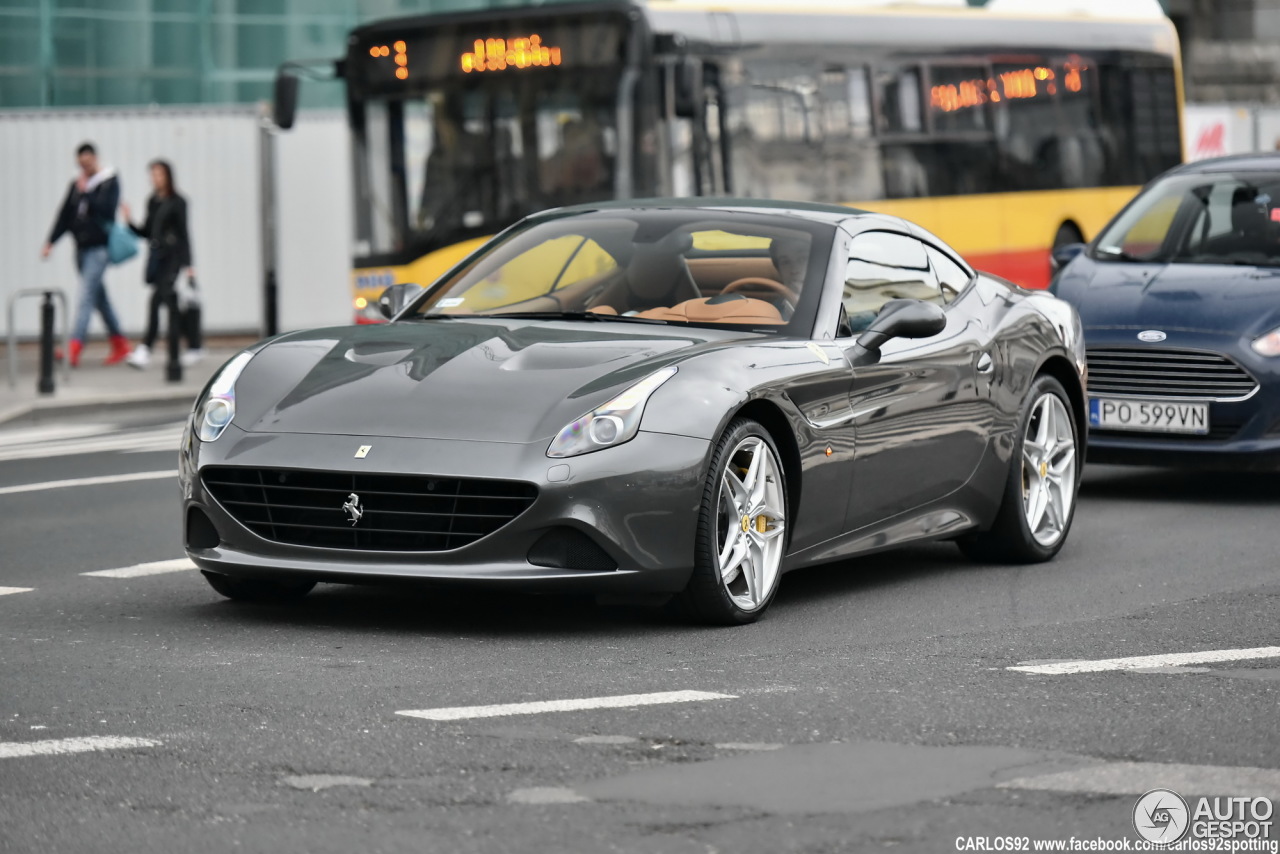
(718, 310)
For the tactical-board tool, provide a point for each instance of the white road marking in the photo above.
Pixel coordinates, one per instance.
(1135, 778)
(605, 739)
(156, 567)
(63, 746)
(1143, 662)
(163, 438)
(624, 701)
(5, 591)
(316, 782)
(88, 481)
(546, 795)
(747, 745)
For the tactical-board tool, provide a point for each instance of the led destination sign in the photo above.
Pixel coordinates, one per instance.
(502, 54)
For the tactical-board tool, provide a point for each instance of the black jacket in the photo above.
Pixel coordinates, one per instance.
(166, 231)
(88, 215)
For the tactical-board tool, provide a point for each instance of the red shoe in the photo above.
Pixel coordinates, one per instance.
(119, 350)
(76, 347)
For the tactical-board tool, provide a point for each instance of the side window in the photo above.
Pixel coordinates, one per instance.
(952, 278)
(884, 266)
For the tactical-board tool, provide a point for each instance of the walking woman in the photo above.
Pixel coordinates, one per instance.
(165, 229)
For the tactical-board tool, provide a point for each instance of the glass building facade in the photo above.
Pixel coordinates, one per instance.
(73, 53)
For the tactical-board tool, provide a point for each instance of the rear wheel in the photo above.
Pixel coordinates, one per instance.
(257, 589)
(1040, 491)
(741, 529)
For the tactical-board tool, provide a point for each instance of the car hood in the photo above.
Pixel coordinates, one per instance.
(1191, 297)
(496, 381)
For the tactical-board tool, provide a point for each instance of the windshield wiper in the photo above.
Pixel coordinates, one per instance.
(1118, 254)
(575, 315)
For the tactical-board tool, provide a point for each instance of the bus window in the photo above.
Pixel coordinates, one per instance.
(850, 154)
(898, 99)
(777, 129)
(958, 98)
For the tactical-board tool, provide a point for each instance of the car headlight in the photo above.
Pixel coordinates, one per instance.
(1268, 345)
(216, 409)
(612, 424)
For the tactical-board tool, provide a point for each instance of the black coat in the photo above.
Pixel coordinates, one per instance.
(87, 215)
(166, 231)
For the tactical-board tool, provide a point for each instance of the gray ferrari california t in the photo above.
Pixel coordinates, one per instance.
(684, 397)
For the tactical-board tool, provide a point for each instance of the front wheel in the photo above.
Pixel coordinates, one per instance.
(741, 529)
(257, 589)
(1040, 491)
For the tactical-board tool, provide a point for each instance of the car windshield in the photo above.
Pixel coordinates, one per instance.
(1213, 218)
(701, 267)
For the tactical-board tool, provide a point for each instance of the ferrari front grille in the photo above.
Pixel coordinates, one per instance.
(366, 512)
(1167, 373)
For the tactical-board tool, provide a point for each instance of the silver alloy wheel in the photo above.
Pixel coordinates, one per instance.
(1048, 469)
(750, 523)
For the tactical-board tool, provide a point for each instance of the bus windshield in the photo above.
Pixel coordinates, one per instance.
(462, 127)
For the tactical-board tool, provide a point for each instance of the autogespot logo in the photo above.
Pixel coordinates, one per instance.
(1161, 816)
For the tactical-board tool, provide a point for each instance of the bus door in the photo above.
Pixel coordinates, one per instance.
(694, 142)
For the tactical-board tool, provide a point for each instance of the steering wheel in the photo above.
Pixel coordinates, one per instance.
(761, 281)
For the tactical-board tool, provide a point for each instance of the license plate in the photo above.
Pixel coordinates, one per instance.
(1149, 416)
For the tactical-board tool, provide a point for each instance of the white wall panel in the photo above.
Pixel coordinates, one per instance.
(313, 180)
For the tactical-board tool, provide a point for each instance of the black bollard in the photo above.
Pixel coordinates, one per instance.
(173, 369)
(45, 384)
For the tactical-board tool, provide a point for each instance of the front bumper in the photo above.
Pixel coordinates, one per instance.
(638, 502)
(1245, 434)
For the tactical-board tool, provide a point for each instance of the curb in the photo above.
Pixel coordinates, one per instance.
(53, 407)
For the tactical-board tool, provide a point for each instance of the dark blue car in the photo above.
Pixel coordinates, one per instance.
(1180, 299)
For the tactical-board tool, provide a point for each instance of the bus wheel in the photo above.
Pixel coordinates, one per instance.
(1067, 234)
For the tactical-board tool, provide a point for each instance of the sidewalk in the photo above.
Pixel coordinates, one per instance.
(96, 386)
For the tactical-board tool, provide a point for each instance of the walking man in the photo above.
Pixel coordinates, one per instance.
(87, 212)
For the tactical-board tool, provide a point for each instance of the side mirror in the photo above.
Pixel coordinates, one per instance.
(899, 318)
(1064, 255)
(396, 297)
(285, 101)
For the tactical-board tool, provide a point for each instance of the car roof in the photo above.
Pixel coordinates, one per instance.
(812, 211)
(1258, 162)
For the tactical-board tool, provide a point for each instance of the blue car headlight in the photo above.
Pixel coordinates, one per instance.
(1267, 345)
(612, 424)
(217, 408)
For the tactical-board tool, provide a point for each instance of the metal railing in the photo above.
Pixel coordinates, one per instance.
(45, 382)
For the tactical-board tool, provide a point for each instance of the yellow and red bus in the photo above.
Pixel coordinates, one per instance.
(1005, 133)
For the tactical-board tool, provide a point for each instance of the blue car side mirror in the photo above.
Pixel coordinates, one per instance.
(1061, 256)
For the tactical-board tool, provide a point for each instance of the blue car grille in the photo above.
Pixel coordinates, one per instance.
(1157, 372)
(392, 512)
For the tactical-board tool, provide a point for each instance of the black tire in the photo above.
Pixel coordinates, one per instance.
(257, 589)
(1010, 539)
(705, 599)
(1066, 235)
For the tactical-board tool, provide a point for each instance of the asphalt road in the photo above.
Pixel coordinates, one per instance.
(872, 708)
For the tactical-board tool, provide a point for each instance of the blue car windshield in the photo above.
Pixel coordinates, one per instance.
(1205, 218)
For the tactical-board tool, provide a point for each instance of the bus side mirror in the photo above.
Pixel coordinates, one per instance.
(285, 104)
(1064, 255)
(899, 318)
(395, 298)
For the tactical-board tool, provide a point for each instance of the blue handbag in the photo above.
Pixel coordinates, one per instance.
(122, 243)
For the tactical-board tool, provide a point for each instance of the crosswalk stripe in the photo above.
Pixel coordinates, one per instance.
(63, 746)
(624, 701)
(156, 567)
(1144, 662)
(5, 591)
(152, 439)
(88, 481)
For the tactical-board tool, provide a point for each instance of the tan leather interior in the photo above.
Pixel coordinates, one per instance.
(712, 274)
(603, 309)
(730, 311)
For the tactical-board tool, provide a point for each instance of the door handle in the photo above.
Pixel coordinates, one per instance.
(985, 364)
